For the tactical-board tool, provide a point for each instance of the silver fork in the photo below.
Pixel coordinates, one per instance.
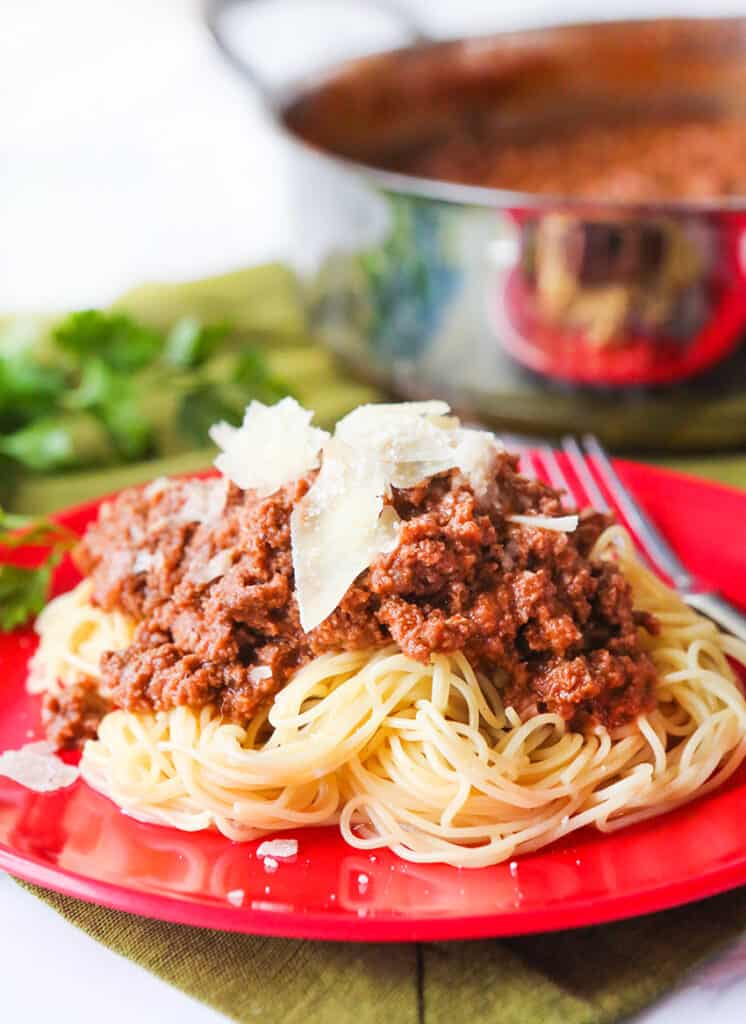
(593, 470)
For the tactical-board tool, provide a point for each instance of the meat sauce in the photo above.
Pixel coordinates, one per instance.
(218, 621)
(681, 158)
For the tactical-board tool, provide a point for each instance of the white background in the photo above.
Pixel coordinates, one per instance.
(128, 151)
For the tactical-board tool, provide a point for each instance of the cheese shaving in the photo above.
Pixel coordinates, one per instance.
(213, 569)
(337, 530)
(205, 501)
(136, 533)
(156, 487)
(417, 440)
(280, 849)
(143, 562)
(259, 673)
(475, 454)
(395, 429)
(273, 446)
(236, 897)
(121, 561)
(342, 525)
(36, 767)
(560, 524)
(412, 440)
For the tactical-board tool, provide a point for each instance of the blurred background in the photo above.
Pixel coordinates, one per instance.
(139, 166)
(131, 151)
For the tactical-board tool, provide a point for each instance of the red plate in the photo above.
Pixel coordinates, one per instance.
(77, 842)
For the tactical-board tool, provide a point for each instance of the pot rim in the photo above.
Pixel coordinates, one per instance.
(278, 103)
(440, 190)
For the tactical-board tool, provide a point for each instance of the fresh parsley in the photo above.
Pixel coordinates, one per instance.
(117, 339)
(23, 589)
(190, 342)
(23, 593)
(100, 388)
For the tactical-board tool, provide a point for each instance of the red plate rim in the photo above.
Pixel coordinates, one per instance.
(388, 926)
(340, 927)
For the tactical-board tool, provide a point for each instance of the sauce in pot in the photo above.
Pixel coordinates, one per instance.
(676, 158)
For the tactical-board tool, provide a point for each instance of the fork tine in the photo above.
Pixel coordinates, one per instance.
(645, 531)
(580, 468)
(556, 474)
(527, 465)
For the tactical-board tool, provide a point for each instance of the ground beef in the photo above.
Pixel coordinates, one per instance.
(74, 714)
(637, 160)
(219, 623)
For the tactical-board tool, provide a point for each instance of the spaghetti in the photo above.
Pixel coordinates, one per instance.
(74, 635)
(423, 757)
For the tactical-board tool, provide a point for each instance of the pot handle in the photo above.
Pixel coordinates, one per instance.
(213, 16)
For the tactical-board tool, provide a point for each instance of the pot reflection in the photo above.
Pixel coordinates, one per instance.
(607, 298)
(612, 298)
(609, 276)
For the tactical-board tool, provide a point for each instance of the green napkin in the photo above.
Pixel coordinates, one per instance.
(590, 976)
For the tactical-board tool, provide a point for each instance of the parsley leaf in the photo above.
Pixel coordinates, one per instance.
(255, 378)
(115, 338)
(60, 442)
(102, 388)
(225, 385)
(28, 389)
(117, 401)
(23, 593)
(190, 342)
(24, 590)
(200, 408)
(22, 531)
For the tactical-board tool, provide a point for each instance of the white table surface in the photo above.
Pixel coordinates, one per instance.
(128, 151)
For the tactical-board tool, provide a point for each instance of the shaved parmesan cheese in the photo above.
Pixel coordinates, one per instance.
(156, 487)
(216, 567)
(273, 446)
(236, 897)
(121, 561)
(387, 531)
(143, 561)
(259, 673)
(205, 501)
(336, 530)
(410, 438)
(476, 452)
(270, 865)
(281, 849)
(36, 767)
(417, 440)
(136, 533)
(374, 424)
(341, 526)
(560, 524)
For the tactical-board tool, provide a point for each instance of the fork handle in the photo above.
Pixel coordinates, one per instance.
(726, 615)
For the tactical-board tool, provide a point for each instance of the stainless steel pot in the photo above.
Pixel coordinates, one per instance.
(434, 288)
